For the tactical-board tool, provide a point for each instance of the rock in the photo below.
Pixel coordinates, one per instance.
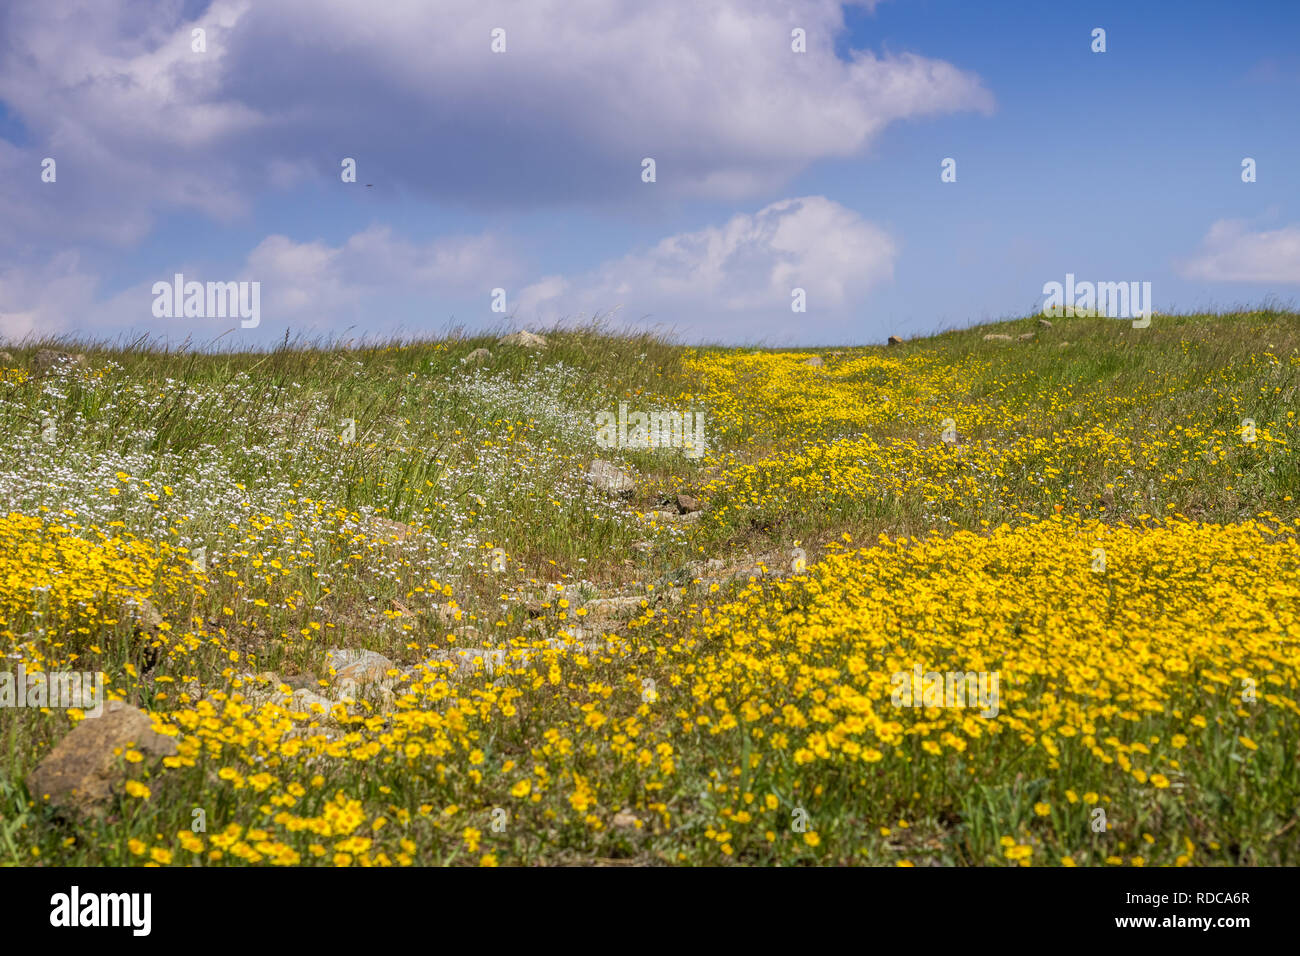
(1025, 336)
(6, 357)
(602, 608)
(46, 359)
(82, 772)
(815, 361)
(147, 617)
(625, 820)
(997, 337)
(392, 530)
(607, 477)
(310, 703)
(300, 681)
(356, 669)
(1061, 345)
(895, 340)
(686, 504)
(525, 339)
(469, 661)
(1044, 324)
(477, 356)
(448, 615)
(257, 689)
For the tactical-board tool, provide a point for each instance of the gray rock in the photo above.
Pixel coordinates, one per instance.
(1044, 324)
(477, 356)
(526, 339)
(146, 616)
(356, 669)
(815, 361)
(46, 359)
(81, 773)
(998, 337)
(1025, 336)
(470, 660)
(895, 340)
(686, 504)
(607, 477)
(625, 820)
(310, 703)
(600, 609)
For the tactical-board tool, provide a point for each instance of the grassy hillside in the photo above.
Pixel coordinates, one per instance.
(1101, 518)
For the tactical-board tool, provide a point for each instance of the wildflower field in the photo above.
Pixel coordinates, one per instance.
(371, 599)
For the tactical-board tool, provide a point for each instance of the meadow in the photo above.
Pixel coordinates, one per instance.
(369, 594)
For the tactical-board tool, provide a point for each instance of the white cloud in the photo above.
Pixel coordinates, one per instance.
(1230, 252)
(737, 277)
(327, 281)
(305, 285)
(142, 125)
(46, 298)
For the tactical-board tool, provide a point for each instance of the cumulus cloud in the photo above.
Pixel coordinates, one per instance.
(142, 124)
(305, 286)
(44, 298)
(329, 282)
(136, 122)
(1231, 252)
(737, 277)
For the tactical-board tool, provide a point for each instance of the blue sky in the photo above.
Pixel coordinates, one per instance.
(522, 170)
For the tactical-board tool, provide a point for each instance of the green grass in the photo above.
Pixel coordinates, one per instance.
(453, 460)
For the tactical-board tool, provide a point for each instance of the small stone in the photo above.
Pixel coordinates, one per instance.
(998, 337)
(1025, 336)
(477, 356)
(469, 661)
(6, 357)
(147, 617)
(355, 669)
(895, 340)
(82, 772)
(311, 703)
(686, 504)
(607, 477)
(624, 820)
(603, 608)
(1044, 324)
(46, 359)
(392, 530)
(300, 681)
(815, 361)
(526, 339)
